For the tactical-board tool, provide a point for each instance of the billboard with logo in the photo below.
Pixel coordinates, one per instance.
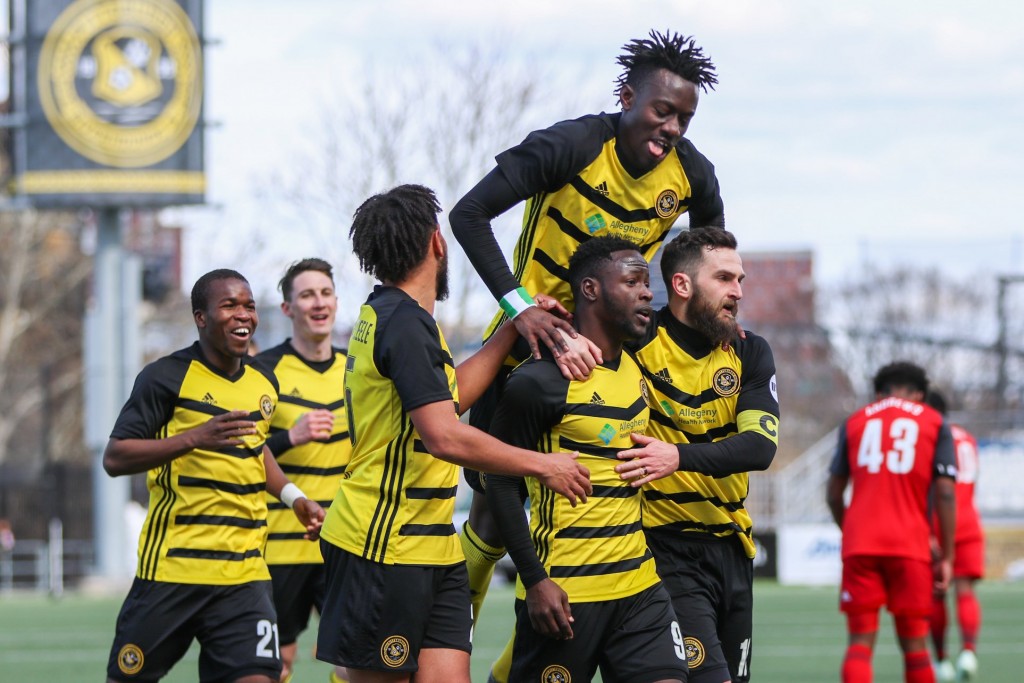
(108, 95)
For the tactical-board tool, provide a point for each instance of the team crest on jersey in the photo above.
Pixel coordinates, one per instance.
(726, 382)
(555, 673)
(643, 391)
(266, 406)
(130, 659)
(394, 651)
(667, 204)
(694, 652)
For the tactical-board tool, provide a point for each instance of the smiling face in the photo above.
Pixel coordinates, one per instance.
(227, 323)
(655, 115)
(312, 307)
(716, 293)
(625, 292)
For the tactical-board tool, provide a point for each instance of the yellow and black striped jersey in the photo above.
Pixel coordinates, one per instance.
(702, 393)
(395, 501)
(576, 188)
(594, 551)
(315, 467)
(207, 518)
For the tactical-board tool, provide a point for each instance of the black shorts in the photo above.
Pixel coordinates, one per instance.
(634, 640)
(480, 416)
(235, 625)
(378, 617)
(711, 582)
(298, 589)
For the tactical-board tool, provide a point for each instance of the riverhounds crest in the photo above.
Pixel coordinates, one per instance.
(394, 651)
(726, 382)
(667, 204)
(112, 91)
(130, 659)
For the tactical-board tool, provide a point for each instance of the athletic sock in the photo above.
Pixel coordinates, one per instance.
(968, 611)
(917, 667)
(480, 561)
(335, 678)
(937, 624)
(857, 664)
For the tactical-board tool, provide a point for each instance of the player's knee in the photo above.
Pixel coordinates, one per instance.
(862, 623)
(911, 628)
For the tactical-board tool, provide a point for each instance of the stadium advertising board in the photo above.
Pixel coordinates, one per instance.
(111, 93)
(809, 554)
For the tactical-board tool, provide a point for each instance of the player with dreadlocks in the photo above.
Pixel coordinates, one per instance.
(397, 596)
(630, 174)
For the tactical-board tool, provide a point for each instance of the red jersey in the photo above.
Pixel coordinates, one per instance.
(891, 451)
(968, 522)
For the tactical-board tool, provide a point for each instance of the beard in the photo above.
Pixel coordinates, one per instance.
(442, 279)
(703, 314)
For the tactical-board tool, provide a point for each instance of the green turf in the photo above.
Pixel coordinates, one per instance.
(798, 637)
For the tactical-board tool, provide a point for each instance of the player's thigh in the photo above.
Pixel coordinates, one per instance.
(295, 593)
(538, 658)
(238, 633)
(862, 588)
(736, 617)
(443, 665)
(969, 559)
(908, 586)
(645, 643)
(153, 630)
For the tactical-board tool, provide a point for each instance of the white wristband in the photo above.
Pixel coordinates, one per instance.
(516, 301)
(291, 493)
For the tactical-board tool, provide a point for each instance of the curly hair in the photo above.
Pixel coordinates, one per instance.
(900, 375)
(677, 53)
(391, 230)
(588, 257)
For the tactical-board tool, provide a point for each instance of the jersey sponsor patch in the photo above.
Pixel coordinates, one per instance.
(130, 659)
(394, 651)
(726, 382)
(694, 652)
(556, 673)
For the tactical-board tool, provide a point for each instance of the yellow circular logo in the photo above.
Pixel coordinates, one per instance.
(266, 406)
(667, 203)
(120, 80)
(130, 660)
(644, 392)
(394, 651)
(694, 652)
(555, 674)
(726, 382)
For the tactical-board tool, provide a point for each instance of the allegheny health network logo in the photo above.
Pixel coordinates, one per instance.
(120, 81)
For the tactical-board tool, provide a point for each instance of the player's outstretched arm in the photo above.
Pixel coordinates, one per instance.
(448, 439)
(132, 456)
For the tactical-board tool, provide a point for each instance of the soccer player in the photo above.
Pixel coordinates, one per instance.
(588, 594)
(196, 422)
(968, 559)
(896, 452)
(715, 419)
(630, 174)
(397, 601)
(309, 439)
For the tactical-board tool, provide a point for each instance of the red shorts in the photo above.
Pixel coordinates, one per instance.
(969, 559)
(871, 581)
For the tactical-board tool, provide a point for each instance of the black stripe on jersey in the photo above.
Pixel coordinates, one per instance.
(568, 228)
(600, 531)
(158, 521)
(620, 491)
(221, 520)
(334, 438)
(528, 235)
(238, 489)
(548, 263)
(542, 534)
(390, 489)
(710, 529)
(427, 530)
(598, 568)
(318, 471)
(684, 497)
(605, 204)
(278, 505)
(200, 407)
(422, 493)
(225, 555)
(240, 452)
(419, 447)
(289, 536)
(606, 411)
(713, 434)
(312, 405)
(689, 400)
(569, 445)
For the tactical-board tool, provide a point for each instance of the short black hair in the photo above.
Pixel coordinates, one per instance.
(299, 267)
(936, 400)
(589, 257)
(900, 375)
(201, 289)
(677, 53)
(685, 252)
(391, 230)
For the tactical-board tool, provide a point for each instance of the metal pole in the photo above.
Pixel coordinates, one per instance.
(56, 557)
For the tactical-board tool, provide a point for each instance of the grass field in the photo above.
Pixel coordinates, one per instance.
(798, 638)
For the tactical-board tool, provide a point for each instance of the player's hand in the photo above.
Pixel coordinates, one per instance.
(653, 460)
(553, 306)
(537, 326)
(311, 515)
(580, 359)
(549, 610)
(566, 476)
(222, 431)
(944, 576)
(316, 425)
